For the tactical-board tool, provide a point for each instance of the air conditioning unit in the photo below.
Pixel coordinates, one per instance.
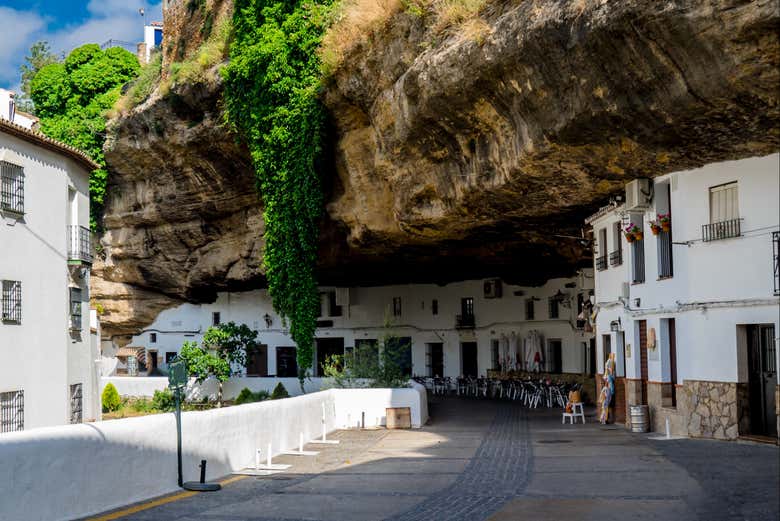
(639, 194)
(492, 288)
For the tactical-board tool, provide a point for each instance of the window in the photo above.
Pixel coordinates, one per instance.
(616, 257)
(638, 255)
(286, 363)
(724, 213)
(601, 260)
(606, 341)
(11, 188)
(75, 308)
(170, 357)
(396, 306)
(76, 403)
(529, 309)
(12, 411)
(466, 317)
(434, 307)
(152, 338)
(333, 309)
(12, 302)
(553, 306)
(216, 318)
(776, 258)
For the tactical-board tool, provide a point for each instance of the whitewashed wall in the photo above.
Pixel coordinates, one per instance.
(364, 319)
(119, 462)
(40, 356)
(716, 287)
(145, 386)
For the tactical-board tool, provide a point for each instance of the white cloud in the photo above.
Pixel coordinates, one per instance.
(14, 43)
(108, 20)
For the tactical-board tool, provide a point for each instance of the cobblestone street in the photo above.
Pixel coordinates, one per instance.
(483, 460)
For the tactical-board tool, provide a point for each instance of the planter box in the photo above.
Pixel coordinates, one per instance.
(399, 417)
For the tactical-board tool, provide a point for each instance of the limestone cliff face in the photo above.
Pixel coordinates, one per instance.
(452, 157)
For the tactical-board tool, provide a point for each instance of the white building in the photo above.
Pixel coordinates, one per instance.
(463, 328)
(153, 36)
(10, 112)
(47, 358)
(693, 314)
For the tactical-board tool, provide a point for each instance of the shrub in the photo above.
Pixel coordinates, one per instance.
(247, 396)
(110, 398)
(279, 392)
(163, 400)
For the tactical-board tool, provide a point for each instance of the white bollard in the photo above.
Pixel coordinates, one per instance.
(269, 455)
(257, 459)
(300, 443)
(668, 430)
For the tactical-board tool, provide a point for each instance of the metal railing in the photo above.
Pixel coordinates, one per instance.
(776, 255)
(79, 244)
(616, 258)
(11, 188)
(665, 262)
(464, 321)
(601, 263)
(638, 259)
(12, 411)
(721, 230)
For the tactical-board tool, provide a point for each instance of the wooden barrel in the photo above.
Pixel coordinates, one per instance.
(640, 418)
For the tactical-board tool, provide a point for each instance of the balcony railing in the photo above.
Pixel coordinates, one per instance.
(601, 263)
(721, 230)
(464, 321)
(79, 247)
(616, 258)
(776, 255)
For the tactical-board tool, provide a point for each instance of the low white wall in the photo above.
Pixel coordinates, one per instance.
(146, 385)
(72, 471)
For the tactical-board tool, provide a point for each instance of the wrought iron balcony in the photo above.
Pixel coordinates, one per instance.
(464, 321)
(79, 245)
(601, 263)
(721, 230)
(616, 258)
(776, 256)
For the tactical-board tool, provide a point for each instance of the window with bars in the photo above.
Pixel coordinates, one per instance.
(724, 213)
(11, 188)
(665, 262)
(529, 309)
(776, 259)
(616, 256)
(553, 307)
(12, 411)
(75, 308)
(12, 301)
(76, 403)
(396, 306)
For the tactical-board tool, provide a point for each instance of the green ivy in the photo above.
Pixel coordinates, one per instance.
(272, 87)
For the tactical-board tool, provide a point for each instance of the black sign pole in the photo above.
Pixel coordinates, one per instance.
(178, 433)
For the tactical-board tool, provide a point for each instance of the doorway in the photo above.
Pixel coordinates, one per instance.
(643, 359)
(286, 362)
(328, 347)
(468, 357)
(152, 360)
(257, 361)
(555, 356)
(436, 360)
(762, 379)
(591, 357)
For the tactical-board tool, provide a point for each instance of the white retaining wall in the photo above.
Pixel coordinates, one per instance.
(72, 471)
(146, 385)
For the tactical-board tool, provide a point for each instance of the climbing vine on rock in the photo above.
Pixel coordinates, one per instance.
(272, 86)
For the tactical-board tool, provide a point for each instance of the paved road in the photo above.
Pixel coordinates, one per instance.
(481, 460)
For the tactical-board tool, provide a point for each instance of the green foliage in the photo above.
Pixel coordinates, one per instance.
(163, 400)
(203, 363)
(72, 98)
(39, 57)
(143, 86)
(210, 53)
(110, 398)
(231, 341)
(272, 87)
(247, 396)
(279, 392)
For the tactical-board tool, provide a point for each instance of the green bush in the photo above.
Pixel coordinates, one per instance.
(247, 396)
(279, 392)
(163, 400)
(110, 398)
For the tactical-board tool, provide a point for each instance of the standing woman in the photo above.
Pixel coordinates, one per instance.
(608, 391)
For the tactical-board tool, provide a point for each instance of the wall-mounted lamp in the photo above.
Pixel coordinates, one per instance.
(616, 325)
(268, 320)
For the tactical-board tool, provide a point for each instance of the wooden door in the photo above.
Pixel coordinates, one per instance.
(643, 358)
(762, 380)
(673, 359)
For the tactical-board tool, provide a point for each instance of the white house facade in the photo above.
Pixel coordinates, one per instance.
(47, 370)
(693, 313)
(463, 328)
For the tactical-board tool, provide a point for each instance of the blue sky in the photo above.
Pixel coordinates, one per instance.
(65, 24)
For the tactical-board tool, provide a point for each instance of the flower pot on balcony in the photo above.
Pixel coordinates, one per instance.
(639, 235)
(630, 237)
(655, 228)
(666, 226)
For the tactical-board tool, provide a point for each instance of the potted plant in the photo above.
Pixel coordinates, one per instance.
(655, 227)
(665, 221)
(633, 233)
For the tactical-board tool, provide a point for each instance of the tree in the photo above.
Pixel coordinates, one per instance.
(71, 99)
(39, 57)
(203, 364)
(232, 341)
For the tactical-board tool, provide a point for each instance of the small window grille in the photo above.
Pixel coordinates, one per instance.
(75, 308)
(216, 318)
(76, 403)
(12, 411)
(396, 306)
(12, 302)
(11, 188)
(152, 338)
